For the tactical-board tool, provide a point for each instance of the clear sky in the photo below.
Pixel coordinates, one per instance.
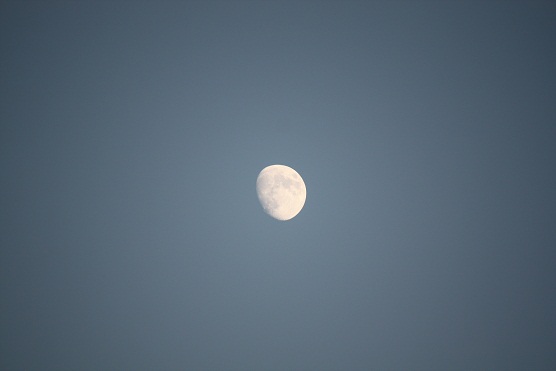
(131, 137)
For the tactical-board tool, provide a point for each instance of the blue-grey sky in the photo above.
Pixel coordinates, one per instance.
(131, 137)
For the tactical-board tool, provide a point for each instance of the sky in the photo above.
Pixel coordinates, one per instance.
(132, 135)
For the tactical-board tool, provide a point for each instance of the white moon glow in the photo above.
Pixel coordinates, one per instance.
(281, 191)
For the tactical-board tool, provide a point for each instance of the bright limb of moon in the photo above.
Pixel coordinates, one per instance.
(281, 191)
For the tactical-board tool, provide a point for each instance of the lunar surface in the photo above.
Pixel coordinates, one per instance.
(281, 191)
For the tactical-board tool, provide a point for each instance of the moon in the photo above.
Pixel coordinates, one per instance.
(281, 191)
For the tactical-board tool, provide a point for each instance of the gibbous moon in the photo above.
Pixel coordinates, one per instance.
(281, 191)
